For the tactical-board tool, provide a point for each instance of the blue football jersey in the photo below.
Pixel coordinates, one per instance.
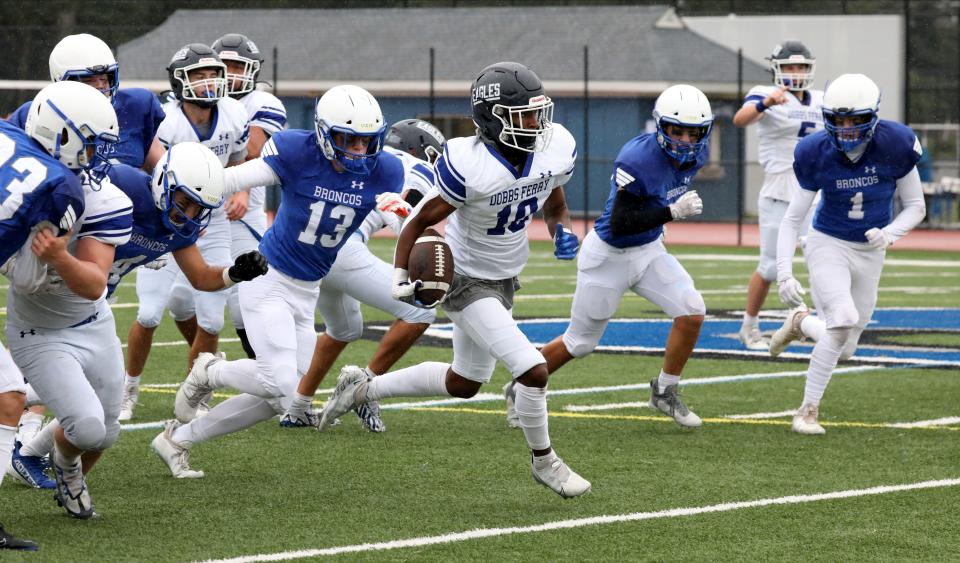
(150, 238)
(320, 207)
(138, 114)
(856, 196)
(644, 169)
(34, 187)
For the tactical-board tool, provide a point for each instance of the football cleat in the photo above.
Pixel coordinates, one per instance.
(805, 421)
(751, 338)
(343, 398)
(669, 403)
(173, 454)
(10, 541)
(71, 492)
(194, 388)
(130, 395)
(551, 472)
(513, 420)
(29, 470)
(369, 415)
(304, 419)
(789, 331)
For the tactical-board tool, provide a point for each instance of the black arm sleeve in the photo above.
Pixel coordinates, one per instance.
(414, 197)
(630, 216)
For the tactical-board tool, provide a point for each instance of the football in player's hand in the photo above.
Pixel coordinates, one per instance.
(431, 262)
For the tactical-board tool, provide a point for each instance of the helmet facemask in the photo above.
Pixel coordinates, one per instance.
(679, 150)
(515, 121)
(239, 85)
(362, 164)
(796, 81)
(848, 138)
(113, 77)
(86, 157)
(175, 217)
(204, 92)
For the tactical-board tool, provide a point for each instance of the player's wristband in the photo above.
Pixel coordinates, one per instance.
(760, 107)
(227, 280)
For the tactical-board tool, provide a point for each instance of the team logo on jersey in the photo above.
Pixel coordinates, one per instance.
(486, 93)
(224, 136)
(356, 185)
(869, 169)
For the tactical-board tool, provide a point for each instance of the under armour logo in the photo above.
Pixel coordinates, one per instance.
(870, 170)
(354, 184)
(687, 179)
(547, 174)
(224, 136)
(24, 333)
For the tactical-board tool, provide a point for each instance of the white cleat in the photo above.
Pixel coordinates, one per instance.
(173, 454)
(72, 492)
(805, 421)
(789, 331)
(751, 339)
(130, 395)
(513, 420)
(668, 402)
(551, 472)
(343, 399)
(194, 388)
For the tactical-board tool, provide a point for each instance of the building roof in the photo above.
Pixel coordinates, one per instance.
(632, 49)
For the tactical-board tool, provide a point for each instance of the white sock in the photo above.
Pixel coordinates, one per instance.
(750, 321)
(64, 461)
(42, 443)
(422, 380)
(300, 404)
(30, 423)
(665, 380)
(32, 397)
(7, 435)
(132, 380)
(234, 414)
(238, 374)
(531, 406)
(823, 361)
(813, 327)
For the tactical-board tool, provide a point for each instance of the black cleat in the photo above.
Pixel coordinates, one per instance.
(10, 541)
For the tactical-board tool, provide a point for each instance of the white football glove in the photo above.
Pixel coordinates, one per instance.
(390, 202)
(157, 264)
(688, 204)
(878, 238)
(402, 289)
(791, 292)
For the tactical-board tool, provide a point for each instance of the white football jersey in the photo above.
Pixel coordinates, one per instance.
(266, 111)
(227, 136)
(781, 128)
(417, 176)
(495, 202)
(108, 218)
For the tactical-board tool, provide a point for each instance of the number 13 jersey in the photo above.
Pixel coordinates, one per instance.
(495, 201)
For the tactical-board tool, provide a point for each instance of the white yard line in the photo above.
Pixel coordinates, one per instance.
(481, 533)
(946, 421)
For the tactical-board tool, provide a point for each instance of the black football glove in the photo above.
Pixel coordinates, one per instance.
(247, 267)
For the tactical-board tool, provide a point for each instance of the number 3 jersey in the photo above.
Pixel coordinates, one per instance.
(320, 207)
(856, 196)
(495, 201)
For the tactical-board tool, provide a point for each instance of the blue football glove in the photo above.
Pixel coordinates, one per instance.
(567, 244)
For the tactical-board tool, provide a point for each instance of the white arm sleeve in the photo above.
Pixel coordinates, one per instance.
(910, 191)
(789, 229)
(250, 174)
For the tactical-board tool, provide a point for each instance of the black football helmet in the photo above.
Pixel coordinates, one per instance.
(236, 47)
(510, 107)
(417, 137)
(792, 53)
(205, 92)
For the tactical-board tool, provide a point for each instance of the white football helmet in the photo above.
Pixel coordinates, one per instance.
(686, 106)
(191, 169)
(353, 111)
(68, 117)
(851, 95)
(83, 55)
